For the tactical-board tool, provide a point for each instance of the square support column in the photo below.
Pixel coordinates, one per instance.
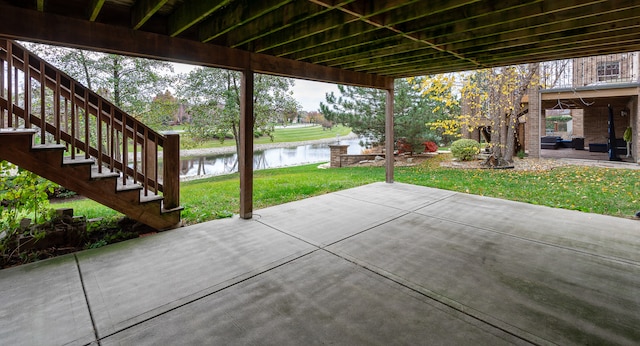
(635, 128)
(389, 133)
(535, 121)
(245, 156)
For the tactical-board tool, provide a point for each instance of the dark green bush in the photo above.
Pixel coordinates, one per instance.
(465, 149)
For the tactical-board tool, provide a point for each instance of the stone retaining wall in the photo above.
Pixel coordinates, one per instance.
(347, 160)
(340, 158)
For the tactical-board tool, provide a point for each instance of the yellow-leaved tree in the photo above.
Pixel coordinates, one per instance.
(495, 100)
(439, 89)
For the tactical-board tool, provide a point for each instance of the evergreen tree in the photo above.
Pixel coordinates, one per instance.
(363, 110)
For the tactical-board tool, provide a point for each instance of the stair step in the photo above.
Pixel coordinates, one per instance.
(105, 174)
(129, 187)
(172, 210)
(12, 131)
(67, 160)
(150, 198)
(49, 146)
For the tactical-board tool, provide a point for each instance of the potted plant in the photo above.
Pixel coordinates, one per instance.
(628, 135)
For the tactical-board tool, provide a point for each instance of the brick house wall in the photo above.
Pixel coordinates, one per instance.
(596, 124)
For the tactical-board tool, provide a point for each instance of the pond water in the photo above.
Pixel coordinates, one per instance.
(262, 159)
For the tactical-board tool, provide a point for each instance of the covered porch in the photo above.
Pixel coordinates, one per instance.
(381, 264)
(588, 110)
(378, 264)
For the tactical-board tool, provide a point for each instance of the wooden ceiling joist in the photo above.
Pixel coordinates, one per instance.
(302, 51)
(303, 31)
(101, 37)
(192, 12)
(359, 38)
(428, 44)
(94, 9)
(550, 23)
(235, 15)
(281, 19)
(397, 46)
(354, 29)
(143, 10)
(556, 40)
(411, 19)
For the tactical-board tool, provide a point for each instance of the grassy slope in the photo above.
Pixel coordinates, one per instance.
(596, 190)
(287, 134)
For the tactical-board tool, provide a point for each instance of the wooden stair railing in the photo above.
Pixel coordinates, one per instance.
(36, 95)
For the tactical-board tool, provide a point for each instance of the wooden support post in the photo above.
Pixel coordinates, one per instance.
(245, 156)
(171, 170)
(389, 133)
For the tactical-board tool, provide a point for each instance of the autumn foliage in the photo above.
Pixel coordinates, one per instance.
(430, 147)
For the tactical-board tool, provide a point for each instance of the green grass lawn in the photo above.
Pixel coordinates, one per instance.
(598, 190)
(605, 191)
(287, 134)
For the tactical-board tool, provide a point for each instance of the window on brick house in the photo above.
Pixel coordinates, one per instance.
(608, 70)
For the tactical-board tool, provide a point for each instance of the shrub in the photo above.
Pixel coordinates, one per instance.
(430, 147)
(404, 146)
(465, 149)
(22, 194)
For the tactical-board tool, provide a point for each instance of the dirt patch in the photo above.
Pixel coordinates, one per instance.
(67, 234)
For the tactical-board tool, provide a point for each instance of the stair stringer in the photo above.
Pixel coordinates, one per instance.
(48, 162)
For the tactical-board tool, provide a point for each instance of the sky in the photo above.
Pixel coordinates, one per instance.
(309, 94)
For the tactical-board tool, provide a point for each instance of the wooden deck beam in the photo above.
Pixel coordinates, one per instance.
(389, 133)
(23, 24)
(245, 155)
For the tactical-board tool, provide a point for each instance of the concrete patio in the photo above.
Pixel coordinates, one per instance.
(569, 153)
(379, 264)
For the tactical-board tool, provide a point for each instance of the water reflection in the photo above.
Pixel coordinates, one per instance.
(262, 159)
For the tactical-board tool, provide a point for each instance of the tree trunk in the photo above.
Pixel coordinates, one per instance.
(235, 129)
(510, 144)
(85, 67)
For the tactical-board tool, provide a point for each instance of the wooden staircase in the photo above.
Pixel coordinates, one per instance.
(83, 142)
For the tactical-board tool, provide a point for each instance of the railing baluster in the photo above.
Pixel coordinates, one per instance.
(2, 77)
(86, 123)
(111, 135)
(145, 161)
(135, 152)
(125, 149)
(56, 109)
(27, 89)
(156, 186)
(73, 120)
(9, 91)
(99, 135)
(3, 45)
(16, 94)
(146, 164)
(43, 103)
